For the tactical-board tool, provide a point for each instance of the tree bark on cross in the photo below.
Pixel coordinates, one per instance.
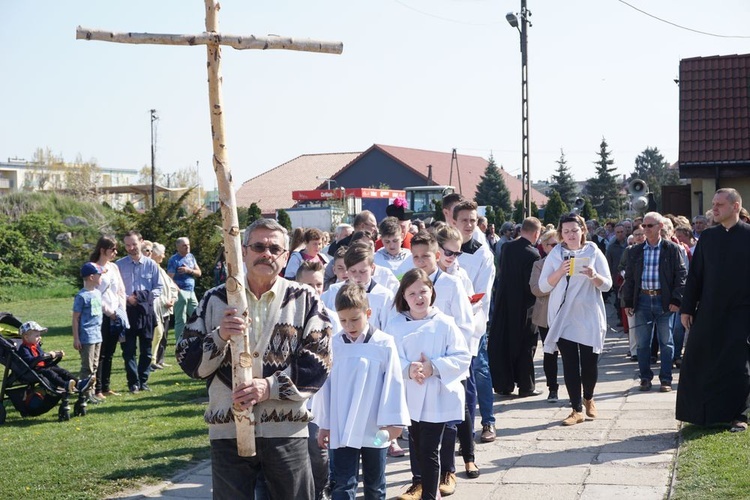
(213, 40)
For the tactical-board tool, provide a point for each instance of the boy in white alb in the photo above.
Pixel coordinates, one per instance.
(391, 255)
(362, 405)
(359, 269)
(479, 263)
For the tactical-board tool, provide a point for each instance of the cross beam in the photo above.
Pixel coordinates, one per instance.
(236, 42)
(242, 369)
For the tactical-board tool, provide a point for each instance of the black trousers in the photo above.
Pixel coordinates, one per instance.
(57, 376)
(549, 363)
(424, 444)
(285, 463)
(580, 368)
(106, 353)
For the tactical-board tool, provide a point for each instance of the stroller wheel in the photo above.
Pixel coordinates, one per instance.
(79, 410)
(63, 414)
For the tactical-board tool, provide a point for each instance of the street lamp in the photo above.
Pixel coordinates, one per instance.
(513, 20)
(153, 162)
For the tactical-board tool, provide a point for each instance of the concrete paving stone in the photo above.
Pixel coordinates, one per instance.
(635, 459)
(624, 475)
(545, 475)
(618, 434)
(533, 492)
(580, 432)
(648, 415)
(557, 459)
(646, 404)
(653, 424)
(547, 413)
(188, 490)
(568, 445)
(642, 446)
(610, 492)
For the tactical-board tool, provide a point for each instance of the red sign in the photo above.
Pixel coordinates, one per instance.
(337, 194)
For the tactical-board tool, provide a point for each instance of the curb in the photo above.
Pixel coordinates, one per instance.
(152, 490)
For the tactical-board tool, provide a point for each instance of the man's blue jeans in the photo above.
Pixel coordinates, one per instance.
(483, 381)
(678, 334)
(649, 314)
(346, 473)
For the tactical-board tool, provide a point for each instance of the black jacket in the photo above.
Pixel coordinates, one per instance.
(672, 275)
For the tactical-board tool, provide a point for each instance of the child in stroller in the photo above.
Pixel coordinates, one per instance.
(46, 363)
(29, 390)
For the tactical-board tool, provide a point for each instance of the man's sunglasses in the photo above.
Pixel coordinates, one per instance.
(450, 253)
(260, 248)
(649, 225)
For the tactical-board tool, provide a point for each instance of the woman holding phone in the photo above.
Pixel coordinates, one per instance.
(575, 273)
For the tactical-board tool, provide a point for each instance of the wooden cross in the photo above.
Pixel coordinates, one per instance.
(213, 40)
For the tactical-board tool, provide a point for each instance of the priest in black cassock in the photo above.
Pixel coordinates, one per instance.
(715, 374)
(511, 342)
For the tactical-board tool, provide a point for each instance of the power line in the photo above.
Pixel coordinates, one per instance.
(444, 18)
(679, 25)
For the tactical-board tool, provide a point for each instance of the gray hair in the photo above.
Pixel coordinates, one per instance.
(659, 218)
(268, 224)
(158, 249)
(182, 240)
(699, 217)
(341, 228)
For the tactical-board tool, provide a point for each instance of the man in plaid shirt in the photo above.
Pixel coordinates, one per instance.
(654, 283)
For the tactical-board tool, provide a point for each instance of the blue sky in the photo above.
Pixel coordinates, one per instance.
(431, 74)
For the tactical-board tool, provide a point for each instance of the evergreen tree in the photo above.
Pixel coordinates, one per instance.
(604, 189)
(439, 211)
(651, 167)
(253, 213)
(518, 211)
(491, 189)
(283, 218)
(588, 212)
(563, 182)
(489, 212)
(500, 217)
(555, 208)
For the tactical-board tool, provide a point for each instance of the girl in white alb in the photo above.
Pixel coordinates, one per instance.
(434, 359)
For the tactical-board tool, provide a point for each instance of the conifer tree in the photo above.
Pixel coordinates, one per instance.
(604, 189)
(555, 208)
(563, 182)
(491, 189)
(283, 218)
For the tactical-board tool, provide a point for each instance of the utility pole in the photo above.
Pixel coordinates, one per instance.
(153, 160)
(513, 20)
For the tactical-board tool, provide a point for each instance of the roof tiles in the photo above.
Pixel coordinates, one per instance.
(715, 110)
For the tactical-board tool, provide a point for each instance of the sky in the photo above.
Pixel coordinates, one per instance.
(428, 74)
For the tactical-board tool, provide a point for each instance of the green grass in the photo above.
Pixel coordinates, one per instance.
(713, 463)
(121, 444)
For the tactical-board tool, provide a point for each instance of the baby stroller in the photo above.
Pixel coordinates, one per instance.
(29, 392)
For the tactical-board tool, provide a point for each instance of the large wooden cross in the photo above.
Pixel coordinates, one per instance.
(213, 40)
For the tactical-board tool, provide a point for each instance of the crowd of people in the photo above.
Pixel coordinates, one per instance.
(402, 329)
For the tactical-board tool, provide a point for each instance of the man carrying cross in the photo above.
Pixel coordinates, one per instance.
(244, 375)
(289, 340)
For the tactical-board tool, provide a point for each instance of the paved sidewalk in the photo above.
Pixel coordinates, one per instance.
(627, 452)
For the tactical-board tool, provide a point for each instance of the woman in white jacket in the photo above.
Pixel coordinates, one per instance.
(576, 273)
